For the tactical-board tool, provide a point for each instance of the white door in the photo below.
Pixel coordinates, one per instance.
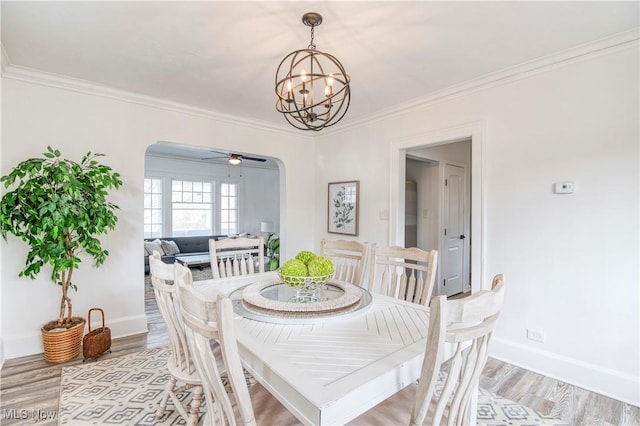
(452, 278)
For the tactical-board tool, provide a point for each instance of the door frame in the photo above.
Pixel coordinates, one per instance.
(398, 152)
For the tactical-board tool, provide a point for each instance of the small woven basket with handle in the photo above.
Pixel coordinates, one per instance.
(98, 341)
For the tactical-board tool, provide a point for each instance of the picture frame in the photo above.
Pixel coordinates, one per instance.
(343, 207)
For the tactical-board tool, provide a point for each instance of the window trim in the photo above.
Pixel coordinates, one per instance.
(239, 188)
(162, 204)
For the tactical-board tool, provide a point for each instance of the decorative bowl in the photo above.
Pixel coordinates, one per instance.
(308, 289)
(295, 281)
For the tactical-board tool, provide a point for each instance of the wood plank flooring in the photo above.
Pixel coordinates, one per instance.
(30, 387)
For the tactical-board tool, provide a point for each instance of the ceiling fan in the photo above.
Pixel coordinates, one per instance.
(234, 159)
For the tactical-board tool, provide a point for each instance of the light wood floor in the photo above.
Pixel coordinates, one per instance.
(31, 384)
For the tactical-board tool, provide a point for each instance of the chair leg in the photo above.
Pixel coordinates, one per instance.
(168, 389)
(196, 402)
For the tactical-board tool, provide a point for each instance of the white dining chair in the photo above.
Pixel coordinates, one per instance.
(180, 366)
(462, 327)
(349, 259)
(405, 273)
(236, 256)
(208, 320)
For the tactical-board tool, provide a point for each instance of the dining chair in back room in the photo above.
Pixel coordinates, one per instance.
(236, 256)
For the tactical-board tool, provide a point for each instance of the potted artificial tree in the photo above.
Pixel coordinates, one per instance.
(58, 207)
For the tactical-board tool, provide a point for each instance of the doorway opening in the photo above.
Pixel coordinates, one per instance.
(423, 155)
(437, 213)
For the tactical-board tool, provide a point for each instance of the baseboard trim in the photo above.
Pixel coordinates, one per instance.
(612, 383)
(32, 344)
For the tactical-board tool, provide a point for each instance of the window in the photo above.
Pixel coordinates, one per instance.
(191, 208)
(152, 208)
(228, 208)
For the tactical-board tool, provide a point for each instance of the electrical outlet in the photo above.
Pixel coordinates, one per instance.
(536, 335)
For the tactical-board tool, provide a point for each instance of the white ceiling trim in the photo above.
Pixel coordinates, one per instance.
(621, 41)
(29, 75)
(624, 40)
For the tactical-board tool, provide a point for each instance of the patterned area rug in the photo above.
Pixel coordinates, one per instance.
(127, 390)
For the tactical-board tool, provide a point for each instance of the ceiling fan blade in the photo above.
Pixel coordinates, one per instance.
(232, 154)
(244, 157)
(226, 154)
(214, 158)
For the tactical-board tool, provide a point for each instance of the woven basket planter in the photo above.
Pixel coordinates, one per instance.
(62, 346)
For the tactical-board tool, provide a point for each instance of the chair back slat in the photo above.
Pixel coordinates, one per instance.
(385, 283)
(236, 267)
(412, 288)
(405, 273)
(235, 256)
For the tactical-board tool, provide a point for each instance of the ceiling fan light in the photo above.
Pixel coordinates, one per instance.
(235, 159)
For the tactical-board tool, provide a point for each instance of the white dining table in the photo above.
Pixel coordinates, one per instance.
(330, 371)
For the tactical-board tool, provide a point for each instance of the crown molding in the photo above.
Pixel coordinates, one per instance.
(43, 78)
(621, 41)
(617, 42)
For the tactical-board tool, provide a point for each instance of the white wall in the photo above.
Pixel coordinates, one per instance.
(571, 261)
(35, 116)
(259, 186)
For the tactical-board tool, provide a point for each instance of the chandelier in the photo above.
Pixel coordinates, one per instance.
(312, 86)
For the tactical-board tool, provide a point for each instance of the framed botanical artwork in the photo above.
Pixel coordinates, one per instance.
(344, 207)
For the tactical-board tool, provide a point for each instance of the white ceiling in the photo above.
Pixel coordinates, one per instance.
(222, 56)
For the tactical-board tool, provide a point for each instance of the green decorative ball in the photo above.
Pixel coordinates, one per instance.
(293, 268)
(320, 266)
(306, 256)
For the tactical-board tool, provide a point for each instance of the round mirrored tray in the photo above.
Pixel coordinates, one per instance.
(278, 296)
(277, 302)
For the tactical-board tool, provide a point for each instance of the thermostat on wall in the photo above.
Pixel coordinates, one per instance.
(563, 188)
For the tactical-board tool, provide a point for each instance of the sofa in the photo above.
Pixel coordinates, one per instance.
(170, 247)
